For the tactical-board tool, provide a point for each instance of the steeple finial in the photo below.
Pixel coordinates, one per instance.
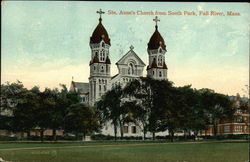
(156, 20)
(131, 47)
(100, 12)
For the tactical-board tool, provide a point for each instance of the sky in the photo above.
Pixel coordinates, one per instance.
(45, 43)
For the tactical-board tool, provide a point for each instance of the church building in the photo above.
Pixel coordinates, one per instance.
(130, 67)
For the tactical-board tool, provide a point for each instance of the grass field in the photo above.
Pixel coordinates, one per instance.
(125, 152)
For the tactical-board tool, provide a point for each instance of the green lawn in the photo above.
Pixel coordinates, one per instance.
(125, 152)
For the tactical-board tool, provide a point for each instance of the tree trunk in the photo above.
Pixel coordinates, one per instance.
(144, 132)
(42, 135)
(54, 134)
(115, 131)
(171, 135)
(215, 129)
(84, 136)
(185, 135)
(121, 129)
(195, 135)
(153, 135)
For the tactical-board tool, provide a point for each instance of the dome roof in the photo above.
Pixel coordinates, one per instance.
(156, 40)
(99, 34)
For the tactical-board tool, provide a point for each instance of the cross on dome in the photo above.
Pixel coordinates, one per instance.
(100, 12)
(131, 47)
(156, 19)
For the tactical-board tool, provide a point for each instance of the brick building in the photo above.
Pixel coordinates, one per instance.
(238, 124)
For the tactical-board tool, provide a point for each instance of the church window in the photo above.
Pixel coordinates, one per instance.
(102, 81)
(131, 69)
(102, 70)
(104, 88)
(160, 61)
(96, 53)
(83, 99)
(99, 81)
(102, 55)
(103, 45)
(160, 50)
(100, 87)
(160, 74)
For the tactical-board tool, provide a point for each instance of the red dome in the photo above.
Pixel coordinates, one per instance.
(156, 40)
(100, 34)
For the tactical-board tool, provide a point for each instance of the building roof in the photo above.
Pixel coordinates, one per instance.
(156, 40)
(80, 87)
(114, 76)
(100, 34)
(129, 53)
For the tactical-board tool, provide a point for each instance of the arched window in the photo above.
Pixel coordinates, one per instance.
(160, 50)
(131, 69)
(160, 74)
(160, 61)
(100, 87)
(102, 70)
(103, 45)
(102, 55)
(94, 67)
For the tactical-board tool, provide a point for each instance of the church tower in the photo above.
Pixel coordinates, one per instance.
(157, 68)
(99, 79)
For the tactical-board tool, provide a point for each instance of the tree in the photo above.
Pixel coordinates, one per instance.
(138, 91)
(18, 104)
(151, 101)
(81, 118)
(194, 118)
(218, 106)
(24, 114)
(44, 113)
(112, 109)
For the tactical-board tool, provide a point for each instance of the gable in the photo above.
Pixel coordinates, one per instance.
(79, 87)
(131, 56)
